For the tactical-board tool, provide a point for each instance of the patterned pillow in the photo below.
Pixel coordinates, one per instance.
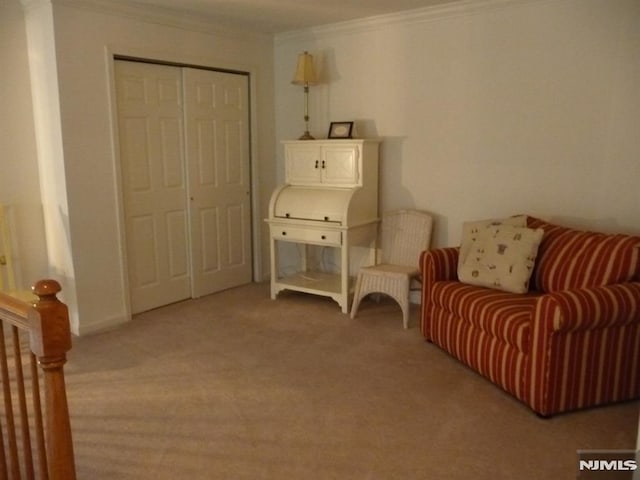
(503, 257)
(472, 230)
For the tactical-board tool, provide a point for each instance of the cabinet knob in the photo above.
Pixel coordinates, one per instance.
(286, 215)
(323, 237)
(316, 164)
(284, 234)
(322, 163)
(326, 219)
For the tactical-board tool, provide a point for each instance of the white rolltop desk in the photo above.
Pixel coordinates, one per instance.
(329, 200)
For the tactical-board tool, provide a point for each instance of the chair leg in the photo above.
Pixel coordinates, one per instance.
(356, 297)
(405, 316)
(354, 307)
(405, 305)
(406, 308)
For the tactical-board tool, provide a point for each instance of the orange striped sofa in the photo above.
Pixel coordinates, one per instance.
(571, 342)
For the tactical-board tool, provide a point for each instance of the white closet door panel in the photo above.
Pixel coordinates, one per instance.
(217, 132)
(210, 258)
(150, 119)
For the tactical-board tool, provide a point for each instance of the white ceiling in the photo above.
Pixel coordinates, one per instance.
(277, 16)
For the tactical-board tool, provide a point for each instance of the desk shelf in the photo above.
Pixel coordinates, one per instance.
(338, 285)
(317, 283)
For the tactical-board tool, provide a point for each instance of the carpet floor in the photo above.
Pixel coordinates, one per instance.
(238, 386)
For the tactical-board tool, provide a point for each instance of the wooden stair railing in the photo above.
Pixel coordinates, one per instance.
(37, 334)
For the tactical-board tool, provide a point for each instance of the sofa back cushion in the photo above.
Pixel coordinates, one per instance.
(569, 258)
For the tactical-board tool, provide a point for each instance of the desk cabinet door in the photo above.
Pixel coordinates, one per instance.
(340, 166)
(302, 165)
(323, 164)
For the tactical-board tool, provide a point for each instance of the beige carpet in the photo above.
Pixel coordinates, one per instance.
(237, 386)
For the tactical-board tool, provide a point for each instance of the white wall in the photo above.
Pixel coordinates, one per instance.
(85, 41)
(48, 134)
(19, 179)
(487, 108)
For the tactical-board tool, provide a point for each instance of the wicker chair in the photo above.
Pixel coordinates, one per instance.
(405, 234)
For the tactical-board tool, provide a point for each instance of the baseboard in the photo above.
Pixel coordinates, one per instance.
(101, 325)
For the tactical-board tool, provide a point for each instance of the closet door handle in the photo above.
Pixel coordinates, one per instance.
(316, 164)
(323, 166)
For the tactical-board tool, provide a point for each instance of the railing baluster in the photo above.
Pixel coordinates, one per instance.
(27, 454)
(4, 472)
(3, 459)
(37, 413)
(8, 410)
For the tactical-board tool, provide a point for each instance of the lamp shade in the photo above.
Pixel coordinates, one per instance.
(305, 72)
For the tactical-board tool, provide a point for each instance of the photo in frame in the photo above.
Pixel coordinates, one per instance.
(340, 130)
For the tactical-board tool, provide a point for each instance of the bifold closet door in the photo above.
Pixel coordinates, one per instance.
(187, 234)
(154, 184)
(217, 133)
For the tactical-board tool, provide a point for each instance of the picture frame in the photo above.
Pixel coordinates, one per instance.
(340, 130)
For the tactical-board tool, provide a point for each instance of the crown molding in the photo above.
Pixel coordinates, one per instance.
(177, 18)
(434, 13)
(157, 15)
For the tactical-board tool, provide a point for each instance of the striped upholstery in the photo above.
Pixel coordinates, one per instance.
(573, 347)
(435, 265)
(570, 258)
(505, 316)
(585, 348)
(500, 362)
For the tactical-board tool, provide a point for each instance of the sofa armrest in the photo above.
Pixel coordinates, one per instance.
(584, 346)
(439, 264)
(589, 308)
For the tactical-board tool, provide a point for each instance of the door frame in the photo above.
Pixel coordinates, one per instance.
(113, 54)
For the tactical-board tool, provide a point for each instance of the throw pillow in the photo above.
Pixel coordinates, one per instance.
(472, 230)
(503, 257)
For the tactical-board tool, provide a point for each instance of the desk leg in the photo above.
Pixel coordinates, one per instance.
(274, 266)
(344, 268)
(303, 257)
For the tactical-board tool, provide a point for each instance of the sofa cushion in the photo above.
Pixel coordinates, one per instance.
(503, 315)
(503, 257)
(569, 258)
(471, 232)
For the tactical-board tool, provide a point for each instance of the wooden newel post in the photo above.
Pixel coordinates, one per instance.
(50, 342)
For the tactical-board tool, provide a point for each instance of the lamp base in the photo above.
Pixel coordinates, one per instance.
(306, 136)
